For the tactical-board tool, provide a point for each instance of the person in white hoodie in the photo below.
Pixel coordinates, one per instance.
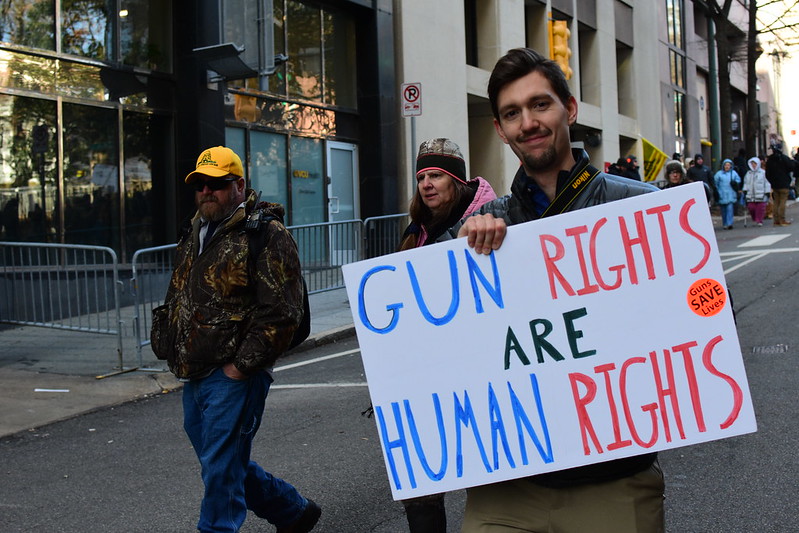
(757, 190)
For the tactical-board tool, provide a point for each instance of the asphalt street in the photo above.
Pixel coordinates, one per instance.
(129, 467)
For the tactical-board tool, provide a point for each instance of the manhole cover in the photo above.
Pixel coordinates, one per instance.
(777, 348)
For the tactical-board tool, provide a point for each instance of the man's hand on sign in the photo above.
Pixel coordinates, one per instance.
(484, 233)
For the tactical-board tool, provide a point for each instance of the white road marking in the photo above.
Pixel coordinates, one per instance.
(764, 240)
(317, 385)
(317, 360)
(754, 255)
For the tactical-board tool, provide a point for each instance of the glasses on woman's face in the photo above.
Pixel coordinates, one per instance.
(215, 184)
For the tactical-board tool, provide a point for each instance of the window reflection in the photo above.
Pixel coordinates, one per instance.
(23, 71)
(28, 23)
(304, 67)
(27, 179)
(268, 163)
(142, 155)
(339, 47)
(86, 30)
(91, 176)
(145, 34)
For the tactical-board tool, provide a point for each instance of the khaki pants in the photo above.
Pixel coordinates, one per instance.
(630, 505)
(780, 197)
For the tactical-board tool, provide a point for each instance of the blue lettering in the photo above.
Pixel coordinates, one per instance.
(417, 443)
(400, 443)
(494, 292)
(456, 295)
(464, 416)
(498, 429)
(521, 418)
(393, 308)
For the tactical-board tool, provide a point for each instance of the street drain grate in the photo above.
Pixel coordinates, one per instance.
(777, 348)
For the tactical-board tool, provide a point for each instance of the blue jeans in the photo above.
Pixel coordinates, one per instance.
(727, 211)
(221, 416)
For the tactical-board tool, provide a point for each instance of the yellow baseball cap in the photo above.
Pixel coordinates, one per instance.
(217, 162)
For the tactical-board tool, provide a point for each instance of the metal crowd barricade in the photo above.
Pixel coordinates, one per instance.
(77, 287)
(63, 286)
(382, 234)
(151, 269)
(323, 248)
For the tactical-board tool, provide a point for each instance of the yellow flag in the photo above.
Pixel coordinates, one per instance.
(654, 159)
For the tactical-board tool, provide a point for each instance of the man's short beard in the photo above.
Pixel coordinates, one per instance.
(541, 162)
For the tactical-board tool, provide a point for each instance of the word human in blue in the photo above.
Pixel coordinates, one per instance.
(502, 420)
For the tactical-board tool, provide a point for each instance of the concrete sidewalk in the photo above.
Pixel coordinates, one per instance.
(47, 375)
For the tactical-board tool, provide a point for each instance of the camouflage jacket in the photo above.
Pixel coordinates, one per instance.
(222, 306)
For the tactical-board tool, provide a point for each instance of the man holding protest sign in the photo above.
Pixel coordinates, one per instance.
(533, 109)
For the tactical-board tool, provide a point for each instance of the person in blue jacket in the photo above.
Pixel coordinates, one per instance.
(727, 183)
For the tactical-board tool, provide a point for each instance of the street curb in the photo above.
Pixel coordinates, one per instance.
(323, 338)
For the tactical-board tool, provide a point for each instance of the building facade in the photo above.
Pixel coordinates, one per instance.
(106, 105)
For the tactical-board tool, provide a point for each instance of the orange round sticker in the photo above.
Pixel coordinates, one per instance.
(707, 297)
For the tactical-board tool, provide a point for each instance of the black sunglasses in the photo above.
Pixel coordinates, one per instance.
(216, 184)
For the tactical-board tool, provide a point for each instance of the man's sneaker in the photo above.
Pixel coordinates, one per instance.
(306, 522)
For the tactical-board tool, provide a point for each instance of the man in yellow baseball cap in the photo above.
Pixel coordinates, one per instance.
(217, 162)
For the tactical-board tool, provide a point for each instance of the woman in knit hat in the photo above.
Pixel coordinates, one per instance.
(444, 194)
(675, 174)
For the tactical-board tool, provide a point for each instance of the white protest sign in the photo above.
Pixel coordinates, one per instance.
(593, 335)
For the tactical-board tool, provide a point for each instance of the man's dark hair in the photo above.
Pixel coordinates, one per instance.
(520, 62)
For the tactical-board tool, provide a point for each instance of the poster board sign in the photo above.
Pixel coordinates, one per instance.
(589, 336)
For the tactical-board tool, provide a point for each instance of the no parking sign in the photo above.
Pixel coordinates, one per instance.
(411, 99)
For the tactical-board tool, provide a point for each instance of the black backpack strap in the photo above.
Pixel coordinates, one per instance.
(255, 227)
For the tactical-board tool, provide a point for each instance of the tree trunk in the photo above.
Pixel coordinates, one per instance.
(725, 95)
(752, 53)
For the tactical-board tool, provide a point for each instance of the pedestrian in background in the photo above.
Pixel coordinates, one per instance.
(756, 190)
(727, 183)
(778, 172)
(675, 174)
(701, 172)
(530, 99)
(443, 196)
(226, 319)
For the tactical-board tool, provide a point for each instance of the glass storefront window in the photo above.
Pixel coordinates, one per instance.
(87, 29)
(27, 201)
(307, 181)
(268, 166)
(145, 34)
(91, 176)
(144, 162)
(339, 47)
(28, 72)
(28, 23)
(304, 67)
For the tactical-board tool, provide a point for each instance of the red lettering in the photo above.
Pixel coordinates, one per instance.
(614, 415)
(671, 392)
(588, 287)
(552, 270)
(737, 393)
(641, 240)
(686, 226)
(693, 387)
(580, 402)
(595, 264)
(664, 236)
(651, 407)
